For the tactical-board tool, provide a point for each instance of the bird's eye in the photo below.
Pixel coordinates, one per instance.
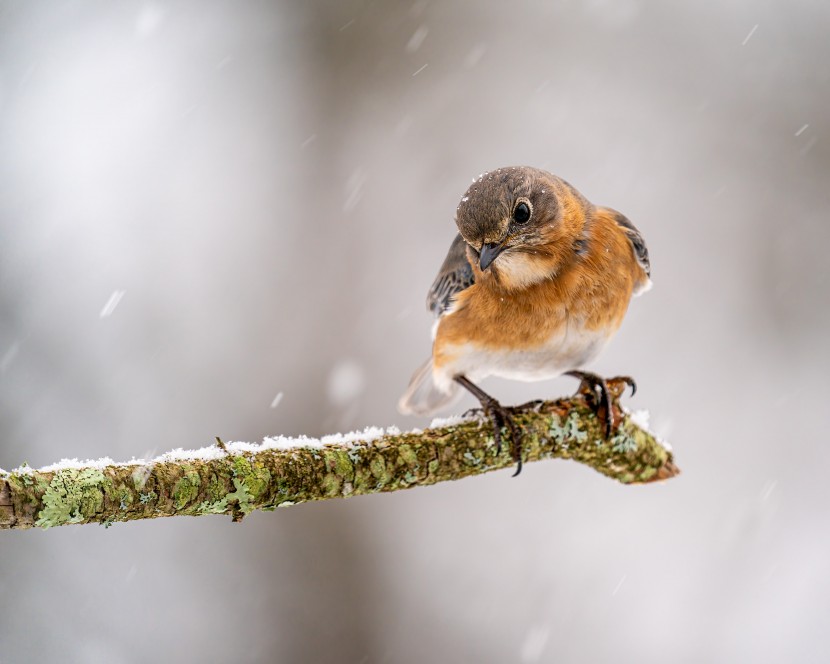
(521, 215)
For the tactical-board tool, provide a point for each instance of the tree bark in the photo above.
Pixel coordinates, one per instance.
(237, 481)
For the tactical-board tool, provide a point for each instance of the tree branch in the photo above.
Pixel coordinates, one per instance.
(238, 478)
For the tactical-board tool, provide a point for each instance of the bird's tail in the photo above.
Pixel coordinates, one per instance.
(423, 397)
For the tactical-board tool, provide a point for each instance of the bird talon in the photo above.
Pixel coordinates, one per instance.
(518, 467)
(474, 412)
(534, 405)
(500, 418)
(602, 395)
(617, 385)
(497, 427)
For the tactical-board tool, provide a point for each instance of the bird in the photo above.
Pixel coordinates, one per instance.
(534, 285)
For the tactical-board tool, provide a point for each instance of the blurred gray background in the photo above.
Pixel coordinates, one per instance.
(204, 205)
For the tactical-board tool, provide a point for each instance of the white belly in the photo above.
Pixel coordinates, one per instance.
(561, 353)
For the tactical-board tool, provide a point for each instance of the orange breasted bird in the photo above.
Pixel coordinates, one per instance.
(534, 285)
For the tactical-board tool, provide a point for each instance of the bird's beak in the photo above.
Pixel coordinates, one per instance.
(488, 254)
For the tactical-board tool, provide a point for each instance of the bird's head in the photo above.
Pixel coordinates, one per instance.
(521, 224)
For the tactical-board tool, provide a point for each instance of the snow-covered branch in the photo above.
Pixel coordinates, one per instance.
(237, 478)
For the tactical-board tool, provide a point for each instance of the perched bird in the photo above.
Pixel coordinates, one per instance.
(534, 285)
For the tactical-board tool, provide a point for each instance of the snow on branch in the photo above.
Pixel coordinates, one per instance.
(237, 478)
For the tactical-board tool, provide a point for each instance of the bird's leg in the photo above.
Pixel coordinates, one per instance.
(499, 416)
(601, 393)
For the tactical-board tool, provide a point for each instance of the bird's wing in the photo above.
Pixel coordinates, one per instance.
(454, 276)
(637, 241)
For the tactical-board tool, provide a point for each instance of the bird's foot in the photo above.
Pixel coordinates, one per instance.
(617, 385)
(474, 412)
(534, 406)
(602, 395)
(500, 417)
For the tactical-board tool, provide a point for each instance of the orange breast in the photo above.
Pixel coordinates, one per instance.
(590, 291)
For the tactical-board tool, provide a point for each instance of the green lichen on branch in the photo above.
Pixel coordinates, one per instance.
(237, 483)
(70, 495)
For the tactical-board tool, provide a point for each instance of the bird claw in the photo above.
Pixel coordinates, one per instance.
(602, 395)
(617, 385)
(500, 418)
(534, 406)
